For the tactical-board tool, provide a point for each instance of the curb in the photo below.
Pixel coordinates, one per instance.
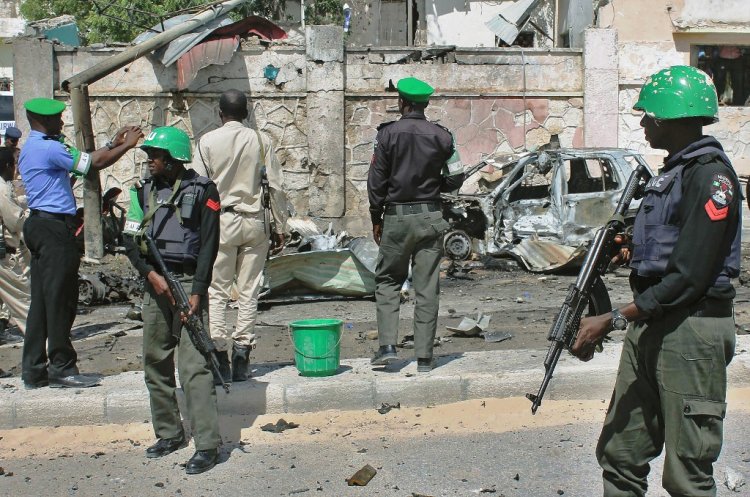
(278, 389)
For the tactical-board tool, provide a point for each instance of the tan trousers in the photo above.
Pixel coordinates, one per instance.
(242, 254)
(15, 285)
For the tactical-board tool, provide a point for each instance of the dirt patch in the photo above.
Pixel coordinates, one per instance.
(521, 303)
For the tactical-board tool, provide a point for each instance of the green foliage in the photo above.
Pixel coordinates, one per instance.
(106, 21)
(324, 12)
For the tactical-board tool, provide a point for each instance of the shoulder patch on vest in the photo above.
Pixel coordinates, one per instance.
(722, 190)
(212, 204)
(722, 193)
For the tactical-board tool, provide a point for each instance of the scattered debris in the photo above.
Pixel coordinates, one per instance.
(5, 374)
(299, 491)
(386, 407)
(733, 479)
(490, 490)
(281, 425)
(362, 477)
(469, 327)
(496, 336)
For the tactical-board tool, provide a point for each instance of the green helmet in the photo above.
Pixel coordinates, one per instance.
(173, 140)
(677, 92)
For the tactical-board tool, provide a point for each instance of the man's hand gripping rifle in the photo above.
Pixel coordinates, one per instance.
(564, 329)
(194, 325)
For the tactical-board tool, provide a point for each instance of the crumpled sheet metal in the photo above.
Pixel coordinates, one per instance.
(220, 39)
(336, 272)
(211, 52)
(471, 327)
(540, 256)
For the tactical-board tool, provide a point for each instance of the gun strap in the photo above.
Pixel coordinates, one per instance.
(209, 171)
(262, 148)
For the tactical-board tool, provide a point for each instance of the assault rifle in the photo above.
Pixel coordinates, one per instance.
(588, 288)
(265, 201)
(194, 325)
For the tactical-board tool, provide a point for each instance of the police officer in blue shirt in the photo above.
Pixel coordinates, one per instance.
(45, 165)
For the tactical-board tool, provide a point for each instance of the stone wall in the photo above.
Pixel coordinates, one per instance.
(325, 105)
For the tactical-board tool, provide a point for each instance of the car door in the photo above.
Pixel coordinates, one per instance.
(592, 186)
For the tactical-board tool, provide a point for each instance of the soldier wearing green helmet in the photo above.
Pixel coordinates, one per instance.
(180, 210)
(670, 392)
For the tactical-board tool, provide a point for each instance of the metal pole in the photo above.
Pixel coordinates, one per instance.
(79, 100)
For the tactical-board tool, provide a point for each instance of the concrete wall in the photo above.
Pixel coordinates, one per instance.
(653, 34)
(324, 107)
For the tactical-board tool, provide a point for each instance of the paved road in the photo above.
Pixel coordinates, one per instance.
(475, 447)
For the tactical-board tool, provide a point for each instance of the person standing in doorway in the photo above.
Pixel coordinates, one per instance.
(414, 160)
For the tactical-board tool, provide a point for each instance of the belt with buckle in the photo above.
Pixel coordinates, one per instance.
(711, 308)
(415, 208)
(51, 215)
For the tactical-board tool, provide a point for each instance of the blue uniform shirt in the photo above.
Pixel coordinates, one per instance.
(45, 166)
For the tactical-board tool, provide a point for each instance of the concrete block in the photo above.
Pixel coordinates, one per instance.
(127, 407)
(251, 398)
(319, 394)
(421, 390)
(501, 385)
(325, 43)
(7, 415)
(600, 48)
(326, 76)
(69, 407)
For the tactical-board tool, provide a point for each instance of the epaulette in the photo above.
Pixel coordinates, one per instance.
(383, 125)
(441, 126)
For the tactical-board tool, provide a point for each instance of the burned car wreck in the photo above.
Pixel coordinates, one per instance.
(541, 208)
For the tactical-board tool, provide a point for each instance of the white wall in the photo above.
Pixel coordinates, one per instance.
(448, 22)
(728, 11)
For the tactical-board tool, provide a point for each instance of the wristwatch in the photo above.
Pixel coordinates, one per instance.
(109, 145)
(619, 322)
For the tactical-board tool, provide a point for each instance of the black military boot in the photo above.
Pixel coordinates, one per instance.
(386, 354)
(240, 356)
(224, 368)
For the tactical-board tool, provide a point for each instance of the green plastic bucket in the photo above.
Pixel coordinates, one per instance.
(316, 346)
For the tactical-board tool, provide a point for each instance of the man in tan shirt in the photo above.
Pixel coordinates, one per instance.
(15, 290)
(233, 157)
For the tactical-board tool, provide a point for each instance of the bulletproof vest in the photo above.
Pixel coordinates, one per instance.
(655, 231)
(175, 225)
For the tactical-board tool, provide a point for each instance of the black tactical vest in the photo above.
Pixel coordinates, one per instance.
(175, 226)
(655, 231)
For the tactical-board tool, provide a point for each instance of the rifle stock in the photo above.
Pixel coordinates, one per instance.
(565, 327)
(194, 325)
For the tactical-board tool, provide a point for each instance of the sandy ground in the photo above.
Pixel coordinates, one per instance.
(469, 417)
